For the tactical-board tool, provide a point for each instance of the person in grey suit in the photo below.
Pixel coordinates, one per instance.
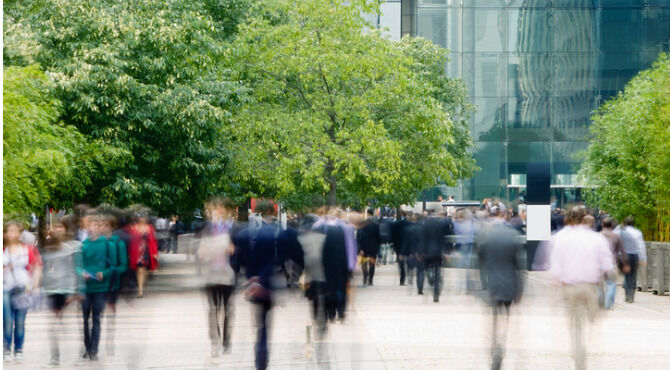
(501, 257)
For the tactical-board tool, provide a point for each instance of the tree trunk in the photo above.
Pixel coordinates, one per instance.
(331, 198)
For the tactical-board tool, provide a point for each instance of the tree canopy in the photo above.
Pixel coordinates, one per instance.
(627, 161)
(147, 78)
(44, 161)
(337, 110)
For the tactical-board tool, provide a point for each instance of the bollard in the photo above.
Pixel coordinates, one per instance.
(659, 269)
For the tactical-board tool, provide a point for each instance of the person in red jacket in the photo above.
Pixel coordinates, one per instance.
(143, 250)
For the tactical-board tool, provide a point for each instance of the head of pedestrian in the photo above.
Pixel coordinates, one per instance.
(62, 230)
(11, 232)
(94, 225)
(575, 216)
(265, 208)
(221, 208)
(108, 223)
(607, 223)
(494, 212)
(589, 221)
(629, 221)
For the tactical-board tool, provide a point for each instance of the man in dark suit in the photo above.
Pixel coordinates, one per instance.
(369, 242)
(501, 257)
(433, 249)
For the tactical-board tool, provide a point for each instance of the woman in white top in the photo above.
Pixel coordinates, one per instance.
(22, 269)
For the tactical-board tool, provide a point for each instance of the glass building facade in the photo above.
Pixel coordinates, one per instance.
(537, 69)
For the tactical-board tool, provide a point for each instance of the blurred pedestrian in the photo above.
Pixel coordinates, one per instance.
(633, 243)
(215, 252)
(398, 233)
(369, 242)
(620, 258)
(176, 229)
(312, 242)
(256, 250)
(95, 268)
(60, 278)
(22, 272)
(501, 255)
(143, 250)
(464, 229)
(579, 259)
(434, 250)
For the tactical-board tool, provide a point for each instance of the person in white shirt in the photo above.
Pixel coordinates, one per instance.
(579, 259)
(636, 251)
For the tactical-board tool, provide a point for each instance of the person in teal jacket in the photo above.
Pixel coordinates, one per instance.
(96, 269)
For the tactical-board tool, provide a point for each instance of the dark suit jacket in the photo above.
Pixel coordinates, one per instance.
(501, 257)
(369, 239)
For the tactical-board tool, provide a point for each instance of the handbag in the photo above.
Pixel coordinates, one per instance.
(255, 292)
(21, 298)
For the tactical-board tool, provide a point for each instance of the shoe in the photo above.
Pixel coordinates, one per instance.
(7, 356)
(18, 357)
(226, 349)
(420, 293)
(54, 362)
(215, 352)
(436, 300)
(93, 357)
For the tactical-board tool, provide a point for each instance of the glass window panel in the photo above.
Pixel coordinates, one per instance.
(454, 66)
(484, 30)
(520, 153)
(533, 74)
(571, 112)
(490, 157)
(574, 74)
(616, 69)
(530, 30)
(485, 74)
(565, 156)
(529, 3)
(577, 3)
(576, 30)
(529, 119)
(441, 26)
(658, 29)
(489, 119)
(622, 30)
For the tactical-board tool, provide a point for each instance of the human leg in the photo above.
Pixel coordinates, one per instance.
(97, 307)
(226, 294)
(372, 263)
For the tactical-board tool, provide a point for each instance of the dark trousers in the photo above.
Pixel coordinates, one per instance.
(336, 302)
(406, 267)
(499, 332)
(420, 274)
(219, 305)
(435, 270)
(93, 303)
(630, 279)
(261, 349)
(317, 295)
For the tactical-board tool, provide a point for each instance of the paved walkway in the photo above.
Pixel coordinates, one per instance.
(388, 327)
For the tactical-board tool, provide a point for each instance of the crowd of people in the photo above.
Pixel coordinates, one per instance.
(89, 256)
(85, 258)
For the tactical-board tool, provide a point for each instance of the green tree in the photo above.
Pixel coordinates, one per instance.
(145, 77)
(627, 161)
(44, 161)
(337, 110)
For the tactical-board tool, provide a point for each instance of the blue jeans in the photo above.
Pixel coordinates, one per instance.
(93, 303)
(13, 322)
(610, 292)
